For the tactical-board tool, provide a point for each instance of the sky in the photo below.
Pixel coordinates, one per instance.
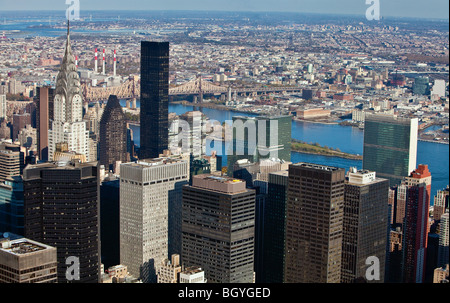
(436, 9)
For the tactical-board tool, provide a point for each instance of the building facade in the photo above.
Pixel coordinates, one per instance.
(150, 214)
(275, 228)
(416, 224)
(390, 146)
(44, 114)
(258, 138)
(113, 135)
(218, 228)
(68, 125)
(61, 209)
(154, 115)
(366, 226)
(314, 222)
(26, 261)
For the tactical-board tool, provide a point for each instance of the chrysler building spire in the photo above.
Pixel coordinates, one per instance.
(68, 125)
(68, 84)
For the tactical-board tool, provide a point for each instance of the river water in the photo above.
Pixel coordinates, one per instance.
(348, 139)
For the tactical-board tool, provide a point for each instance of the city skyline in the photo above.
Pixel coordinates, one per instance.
(401, 9)
(341, 106)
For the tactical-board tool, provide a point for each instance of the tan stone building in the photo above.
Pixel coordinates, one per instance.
(26, 261)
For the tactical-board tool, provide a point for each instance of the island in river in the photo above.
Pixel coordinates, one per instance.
(317, 149)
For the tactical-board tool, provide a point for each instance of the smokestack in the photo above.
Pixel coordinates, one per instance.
(96, 62)
(104, 62)
(76, 61)
(115, 60)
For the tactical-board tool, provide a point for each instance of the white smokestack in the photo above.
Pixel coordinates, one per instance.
(96, 62)
(104, 62)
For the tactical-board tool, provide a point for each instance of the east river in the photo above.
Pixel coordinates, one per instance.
(348, 139)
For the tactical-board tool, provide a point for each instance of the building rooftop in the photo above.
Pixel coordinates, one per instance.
(154, 162)
(21, 246)
(192, 270)
(317, 166)
(220, 184)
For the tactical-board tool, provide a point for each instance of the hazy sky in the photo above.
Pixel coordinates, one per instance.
(397, 8)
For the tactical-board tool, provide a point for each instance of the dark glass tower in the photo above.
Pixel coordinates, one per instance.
(61, 209)
(113, 135)
(218, 228)
(366, 225)
(154, 99)
(275, 228)
(314, 222)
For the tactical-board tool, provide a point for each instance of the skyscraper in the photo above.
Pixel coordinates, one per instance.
(443, 252)
(257, 138)
(2, 107)
(113, 135)
(11, 160)
(366, 225)
(390, 146)
(314, 221)
(441, 201)
(44, 114)
(421, 86)
(218, 228)
(416, 224)
(275, 228)
(26, 261)
(150, 213)
(154, 114)
(11, 205)
(68, 125)
(61, 209)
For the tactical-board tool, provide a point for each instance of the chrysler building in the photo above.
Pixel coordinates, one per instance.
(68, 125)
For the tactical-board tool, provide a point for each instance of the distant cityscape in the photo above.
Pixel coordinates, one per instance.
(223, 147)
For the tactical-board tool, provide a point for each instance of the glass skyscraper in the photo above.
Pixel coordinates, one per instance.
(257, 138)
(154, 99)
(113, 135)
(390, 146)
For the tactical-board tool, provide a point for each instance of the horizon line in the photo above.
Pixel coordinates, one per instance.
(232, 11)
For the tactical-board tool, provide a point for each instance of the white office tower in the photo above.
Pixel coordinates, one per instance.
(150, 214)
(2, 106)
(439, 88)
(68, 125)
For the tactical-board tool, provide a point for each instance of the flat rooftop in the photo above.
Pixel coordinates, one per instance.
(154, 162)
(21, 246)
(317, 166)
(220, 184)
(192, 270)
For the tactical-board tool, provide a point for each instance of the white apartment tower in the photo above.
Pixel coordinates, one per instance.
(68, 125)
(150, 214)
